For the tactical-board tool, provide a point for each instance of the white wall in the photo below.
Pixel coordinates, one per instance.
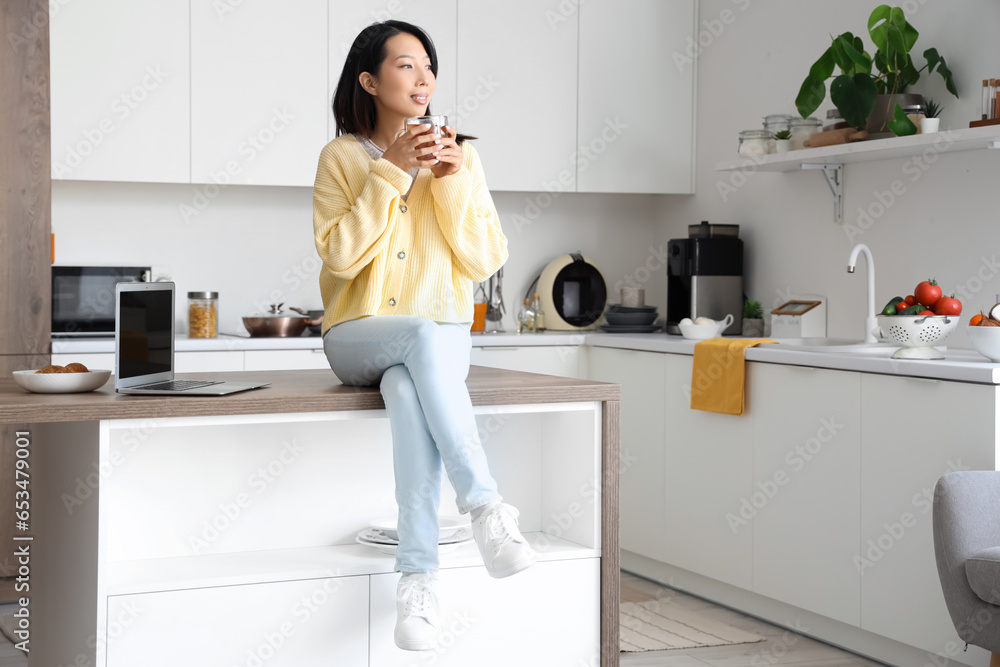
(944, 225)
(254, 245)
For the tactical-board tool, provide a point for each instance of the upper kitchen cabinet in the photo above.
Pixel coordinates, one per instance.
(636, 101)
(436, 17)
(258, 91)
(517, 90)
(120, 75)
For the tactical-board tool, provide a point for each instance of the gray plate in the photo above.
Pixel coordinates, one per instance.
(648, 328)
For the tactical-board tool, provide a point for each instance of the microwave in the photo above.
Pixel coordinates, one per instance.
(83, 297)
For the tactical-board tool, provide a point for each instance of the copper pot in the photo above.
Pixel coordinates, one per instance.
(275, 324)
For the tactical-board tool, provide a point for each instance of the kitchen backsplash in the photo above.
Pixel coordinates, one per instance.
(254, 245)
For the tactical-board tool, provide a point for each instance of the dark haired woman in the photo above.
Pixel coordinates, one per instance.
(404, 225)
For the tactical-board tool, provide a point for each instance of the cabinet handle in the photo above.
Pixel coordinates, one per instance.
(921, 380)
(497, 348)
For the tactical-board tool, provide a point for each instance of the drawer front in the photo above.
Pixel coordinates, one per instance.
(283, 624)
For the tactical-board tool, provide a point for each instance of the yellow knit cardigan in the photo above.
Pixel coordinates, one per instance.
(384, 256)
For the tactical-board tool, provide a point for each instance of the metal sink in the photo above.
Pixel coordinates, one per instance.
(818, 342)
(846, 346)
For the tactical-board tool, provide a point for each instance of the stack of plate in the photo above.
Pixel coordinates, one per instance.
(381, 534)
(628, 319)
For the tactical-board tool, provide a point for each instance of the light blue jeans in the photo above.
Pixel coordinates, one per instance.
(420, 367)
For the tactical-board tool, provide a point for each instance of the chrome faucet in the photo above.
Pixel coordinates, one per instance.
(871, 324)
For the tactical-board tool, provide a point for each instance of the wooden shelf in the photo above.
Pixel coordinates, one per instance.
(256, 567)
(947, 141)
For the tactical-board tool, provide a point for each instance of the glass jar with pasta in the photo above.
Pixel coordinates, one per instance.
(203, 314)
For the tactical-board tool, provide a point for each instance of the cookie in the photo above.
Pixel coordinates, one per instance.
(76, 368)
(52, 368)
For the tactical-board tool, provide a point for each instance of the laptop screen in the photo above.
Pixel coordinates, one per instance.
(145, 332)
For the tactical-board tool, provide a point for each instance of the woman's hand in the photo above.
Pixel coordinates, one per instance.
(414, 148)
(449, 155)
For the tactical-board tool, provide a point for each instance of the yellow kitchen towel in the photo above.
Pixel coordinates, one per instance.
(717, 375)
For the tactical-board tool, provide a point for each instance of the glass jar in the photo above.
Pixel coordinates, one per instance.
(776, 122)
(203, 314)
(754, 143)
(802, 129)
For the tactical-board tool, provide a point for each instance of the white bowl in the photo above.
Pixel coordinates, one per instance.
(705, 331)
(986, 340)
(61, 383)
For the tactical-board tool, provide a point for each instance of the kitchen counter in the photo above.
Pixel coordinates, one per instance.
(183, 343)
(958, 365)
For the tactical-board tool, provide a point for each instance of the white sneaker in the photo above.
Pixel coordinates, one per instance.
(504, 549)
(417, 614)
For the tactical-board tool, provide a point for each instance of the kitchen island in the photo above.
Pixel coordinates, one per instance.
(221, 530)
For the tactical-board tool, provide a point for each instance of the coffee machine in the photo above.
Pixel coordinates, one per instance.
(705, 276)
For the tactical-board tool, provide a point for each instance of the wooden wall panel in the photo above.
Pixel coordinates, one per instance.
(25, 178)
(25, 219)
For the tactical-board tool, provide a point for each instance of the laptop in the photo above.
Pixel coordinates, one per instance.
(144, 346)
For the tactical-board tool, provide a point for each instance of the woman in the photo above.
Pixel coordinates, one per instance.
(404, 225)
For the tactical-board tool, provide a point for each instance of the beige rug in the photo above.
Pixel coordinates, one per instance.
(649, 624)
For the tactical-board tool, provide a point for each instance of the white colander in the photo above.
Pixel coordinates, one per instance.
(917, 334)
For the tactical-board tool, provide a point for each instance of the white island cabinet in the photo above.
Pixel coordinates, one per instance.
(212, 531)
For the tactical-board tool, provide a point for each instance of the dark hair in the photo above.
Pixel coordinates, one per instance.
(353, 106)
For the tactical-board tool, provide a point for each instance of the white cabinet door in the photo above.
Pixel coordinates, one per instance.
(641, 376)
(636, 102)
(709, 470)
(547, 615)
(562, 360)
(258, 92)
(121, 91)
(436, 17)
(806, 482)
(913, 432)
(285, 360)
(290, 624)
(517, 74)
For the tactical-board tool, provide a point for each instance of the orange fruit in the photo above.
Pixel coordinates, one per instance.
(976, 319)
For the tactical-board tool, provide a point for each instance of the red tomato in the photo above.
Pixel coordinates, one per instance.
(927, 293)
(948, 305)
(902, 305)
(910, 300)
(926, 312)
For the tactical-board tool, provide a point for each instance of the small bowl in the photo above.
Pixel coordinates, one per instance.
(60, 383)
(705, 331)
(986, 340)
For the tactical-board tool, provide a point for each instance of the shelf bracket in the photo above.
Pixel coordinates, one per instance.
(834, 174)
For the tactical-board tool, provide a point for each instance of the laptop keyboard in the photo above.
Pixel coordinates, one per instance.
(178, 385)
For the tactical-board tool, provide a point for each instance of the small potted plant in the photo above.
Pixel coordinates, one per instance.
(781, 141)
(930, 122)
(753, 319)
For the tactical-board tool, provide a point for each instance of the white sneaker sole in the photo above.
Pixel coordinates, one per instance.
(415, 644)
(522, 563)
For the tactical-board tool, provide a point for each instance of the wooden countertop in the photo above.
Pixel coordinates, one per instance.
(290, 391)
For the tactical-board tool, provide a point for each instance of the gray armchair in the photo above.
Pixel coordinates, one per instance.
(967, 547)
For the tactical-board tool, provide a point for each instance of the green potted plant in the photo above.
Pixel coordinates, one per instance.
(753, 319)
(864, 78)
(930, 122)
(782, 139)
